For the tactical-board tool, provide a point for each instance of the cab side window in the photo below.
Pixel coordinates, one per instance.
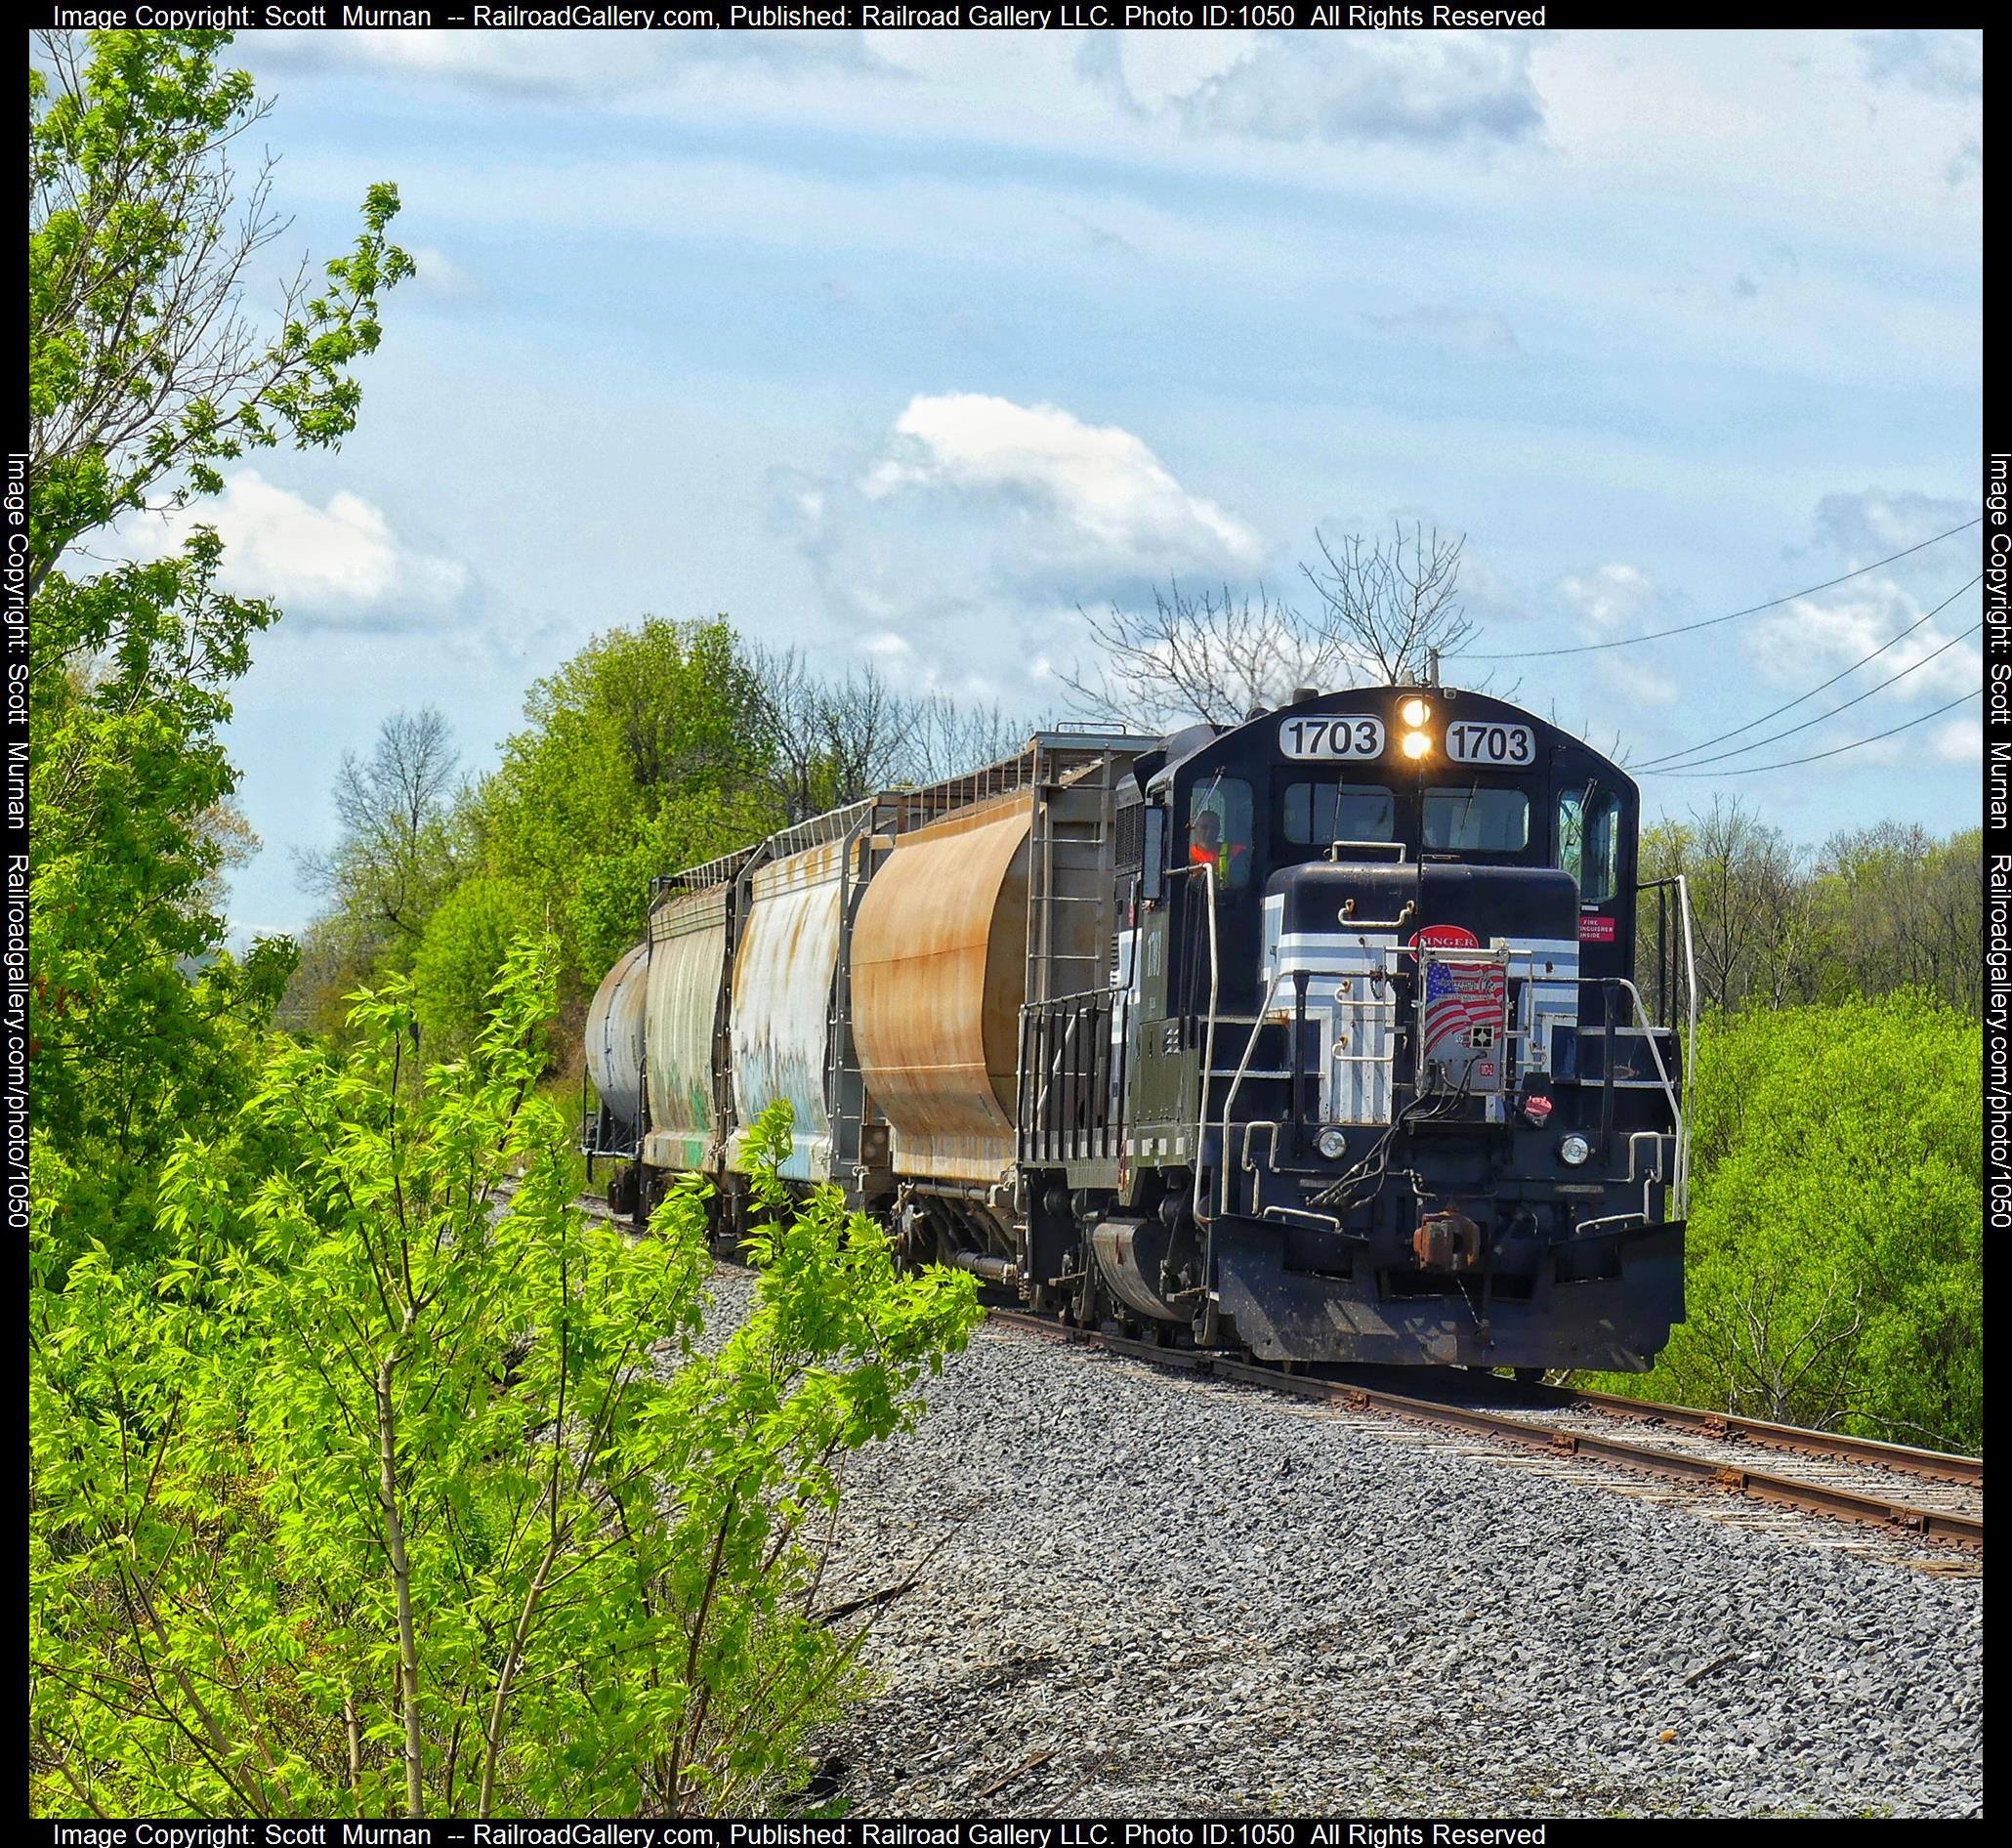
(1219, 830)
(1587, 841)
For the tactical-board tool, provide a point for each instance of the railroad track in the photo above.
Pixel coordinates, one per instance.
(1930, 1496)
(1933, 1497)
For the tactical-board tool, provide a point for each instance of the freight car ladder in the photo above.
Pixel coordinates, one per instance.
(1071, 875)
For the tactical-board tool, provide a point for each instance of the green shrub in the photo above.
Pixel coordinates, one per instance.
(1836, 1243)
(460, 957)
(372, 1499)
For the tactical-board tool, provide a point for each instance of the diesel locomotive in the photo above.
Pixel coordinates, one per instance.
(1319, 1036)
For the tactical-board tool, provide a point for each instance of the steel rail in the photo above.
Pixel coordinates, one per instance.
(1927, 1524)
(1934, 1465)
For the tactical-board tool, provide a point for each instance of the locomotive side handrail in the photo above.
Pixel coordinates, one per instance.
(1680, 1184)
(1666, 973)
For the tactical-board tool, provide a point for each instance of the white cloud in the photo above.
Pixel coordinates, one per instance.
(341, 561)
(521, 63)
(1447, 89)
(1609, 598)
(1098, 490)
(438, 275)
(1807, 641)
(560, 65)
(1876, 524)
(1144, 72)
(1961, 742)
(1617, 600)
(1937, 63)
(1811, 639)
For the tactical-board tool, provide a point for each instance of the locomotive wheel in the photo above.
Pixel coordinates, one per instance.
(1086, 1309)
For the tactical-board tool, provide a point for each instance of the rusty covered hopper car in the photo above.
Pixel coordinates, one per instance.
(1322, 1035)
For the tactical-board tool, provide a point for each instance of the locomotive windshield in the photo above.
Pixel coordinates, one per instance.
(1476, 820)
(1318, 814)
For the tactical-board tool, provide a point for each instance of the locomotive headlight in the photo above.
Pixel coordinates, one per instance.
(1573, 1150)
(1415, 712)
(1332, 1144)
(1417, 743)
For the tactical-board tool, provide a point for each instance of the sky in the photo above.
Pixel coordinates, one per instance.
(906, 348)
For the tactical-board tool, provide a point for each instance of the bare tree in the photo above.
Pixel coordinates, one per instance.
(946, 738)
(1903, 909)
(394, 860)
(1754, 908)
(830, 742)
(834, 741)
(1388, 607)
(1200, 657)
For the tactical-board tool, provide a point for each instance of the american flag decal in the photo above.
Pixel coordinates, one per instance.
(1466, 1005)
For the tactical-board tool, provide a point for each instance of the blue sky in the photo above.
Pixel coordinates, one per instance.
(901, 346)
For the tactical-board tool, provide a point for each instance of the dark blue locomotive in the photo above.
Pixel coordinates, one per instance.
(1385, 1086)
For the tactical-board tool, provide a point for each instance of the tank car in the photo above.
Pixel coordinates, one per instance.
(1319, 1036)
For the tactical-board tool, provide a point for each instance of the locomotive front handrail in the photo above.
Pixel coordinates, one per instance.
(1689, 1048)
(1334, 848)
(1665, 975)
(1235, 1085)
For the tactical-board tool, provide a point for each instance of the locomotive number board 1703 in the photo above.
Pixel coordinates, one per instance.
(1344, 737)
(1480, 742)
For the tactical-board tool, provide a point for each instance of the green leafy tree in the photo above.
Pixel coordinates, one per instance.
(388, 1502)
(144, 375)
(397, 856)
(643, 753)
(144, 371)
(1758, 936)
(1900, 910)
(128, 672)
(460, 958)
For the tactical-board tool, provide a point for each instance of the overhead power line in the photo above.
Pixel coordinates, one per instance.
(1750, 770)
(1688, 628)
(1705, 745)
(1740, 750)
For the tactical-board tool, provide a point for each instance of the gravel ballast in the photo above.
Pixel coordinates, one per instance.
(1147, 1595)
